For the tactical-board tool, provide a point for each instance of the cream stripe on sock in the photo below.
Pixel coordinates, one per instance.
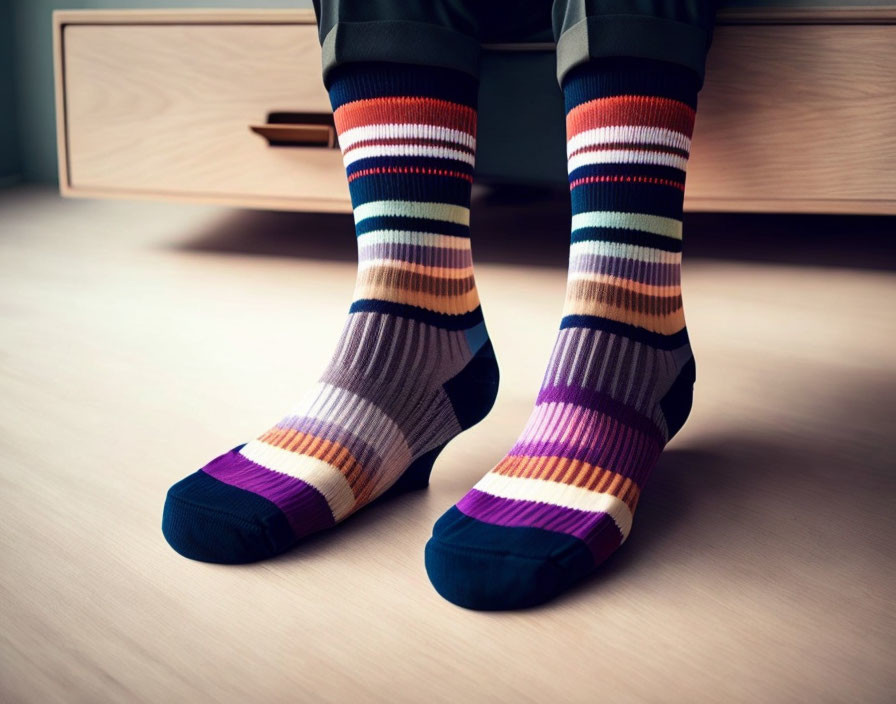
(602, 248)
(326, 478)
(656, 224)
(549, 492)
(413, 209)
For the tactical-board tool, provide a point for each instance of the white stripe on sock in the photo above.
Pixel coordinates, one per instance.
(422, 239)
(628, 134)
(405, 131)
(400, 150)
(626, 156)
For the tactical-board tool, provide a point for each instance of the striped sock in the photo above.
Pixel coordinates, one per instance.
(620, 378)
(414, 366)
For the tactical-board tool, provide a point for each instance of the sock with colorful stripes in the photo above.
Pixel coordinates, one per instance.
(620, 379)
(414, 365)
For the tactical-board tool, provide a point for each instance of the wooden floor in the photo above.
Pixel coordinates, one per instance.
(139, 340)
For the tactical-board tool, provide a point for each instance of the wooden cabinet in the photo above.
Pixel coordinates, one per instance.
(797, 114)
(162, 105)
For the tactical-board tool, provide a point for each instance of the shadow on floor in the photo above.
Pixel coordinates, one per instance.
(802, 498)
(529, 226)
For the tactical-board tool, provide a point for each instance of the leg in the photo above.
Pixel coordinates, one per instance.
(672, 31)
(619, 382)
(414, 366)
(442, 33)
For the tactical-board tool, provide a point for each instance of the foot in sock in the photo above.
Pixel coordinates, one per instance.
(620, 378)
(414, 365)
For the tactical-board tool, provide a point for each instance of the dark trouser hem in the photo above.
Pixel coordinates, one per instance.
(639, 36)
(399, 42)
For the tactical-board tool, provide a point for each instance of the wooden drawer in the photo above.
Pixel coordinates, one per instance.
(163, 108)
(796, 115)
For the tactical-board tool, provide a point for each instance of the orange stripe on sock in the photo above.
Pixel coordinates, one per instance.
(660, 291)
(564, 470)
(452, 305)
(599, 293)
(662, 324)
(324, 450)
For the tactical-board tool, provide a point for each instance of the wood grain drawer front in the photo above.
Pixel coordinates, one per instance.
(794, 117)
(165, 109)
(797, 117)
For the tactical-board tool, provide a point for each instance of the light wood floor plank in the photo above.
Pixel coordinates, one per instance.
(760, 566)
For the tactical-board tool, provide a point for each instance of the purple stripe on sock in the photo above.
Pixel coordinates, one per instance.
(597, 530)
(591, 398)
(304, 506)
(629, 454)
(418, 254)
(642, 272)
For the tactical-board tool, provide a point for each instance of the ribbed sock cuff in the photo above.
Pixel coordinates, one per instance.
(359, 81)
(612, 76)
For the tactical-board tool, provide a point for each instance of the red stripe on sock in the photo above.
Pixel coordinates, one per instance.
(625, 179)
(635, 110)
(400, 110)
(408, 170)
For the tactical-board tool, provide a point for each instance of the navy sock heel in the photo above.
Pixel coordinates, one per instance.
(473, 390)
(677, 402)
(472, 393)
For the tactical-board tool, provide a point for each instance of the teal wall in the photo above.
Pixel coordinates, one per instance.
(32, 59)
(9, 142)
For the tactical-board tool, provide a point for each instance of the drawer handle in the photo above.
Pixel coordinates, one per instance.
(297, 135)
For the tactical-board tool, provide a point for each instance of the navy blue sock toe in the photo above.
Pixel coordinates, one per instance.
(208, 520)
(483, 566)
